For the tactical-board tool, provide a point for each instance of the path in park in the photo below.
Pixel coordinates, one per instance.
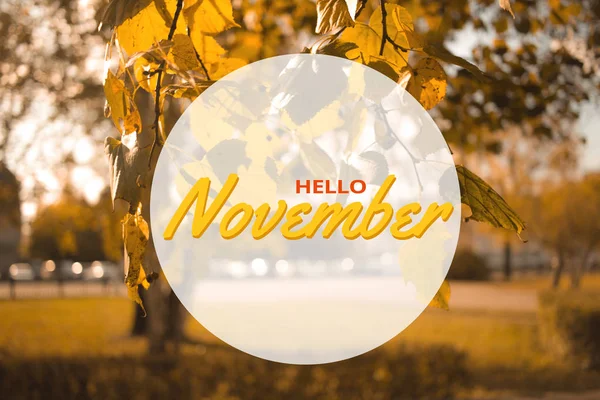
(491, 296)
(465, 295)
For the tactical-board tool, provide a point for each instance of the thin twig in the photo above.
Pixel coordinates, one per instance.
(361, 7)
(382, 113)
(157, 139)
(189, 33)
(384, 34)
(396, 45)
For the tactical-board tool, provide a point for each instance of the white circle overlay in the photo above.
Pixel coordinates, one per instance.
(302, 118)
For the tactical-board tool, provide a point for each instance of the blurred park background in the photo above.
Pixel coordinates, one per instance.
(524, 318)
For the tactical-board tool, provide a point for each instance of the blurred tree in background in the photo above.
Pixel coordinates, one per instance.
(67, 229)
(50, 91)
(566, 219)
(10, 218)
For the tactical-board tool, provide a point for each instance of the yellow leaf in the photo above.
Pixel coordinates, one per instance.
(182, 53)
(485, 203)
(385, 67)
(118, 11)
(142, 70)
(442, 297)
(317, 160)
(369, 44)
(505, 4)
(426, 275)
(128, 165)
(438, 51)
(185, 90)
(123, 110)
(209, 16)
(149, 26)
(133, 121)
(248, 46)
(226, 66)
(367, 40)
(399, 26)
(135, 238)
(332, 15)
(207, 47)
(428, 83)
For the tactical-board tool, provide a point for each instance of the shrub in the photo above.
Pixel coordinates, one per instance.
(570, 325)
(468, 266)
(222, 373)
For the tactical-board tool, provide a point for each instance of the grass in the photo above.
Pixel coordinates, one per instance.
(502, 347)
(100, 327)
(488, 338)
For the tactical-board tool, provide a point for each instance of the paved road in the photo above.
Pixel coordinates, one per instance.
(465, 295)
(489, 296)
(67, 289)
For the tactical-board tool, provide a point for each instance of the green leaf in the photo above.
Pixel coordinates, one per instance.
(332, 15)
(485, 203)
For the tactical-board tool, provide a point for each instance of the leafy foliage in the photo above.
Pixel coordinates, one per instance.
(333, 14)
(428, 83)
(442, 297)
(127, 167)
(485, 204)
(135, 238)
(174, 50)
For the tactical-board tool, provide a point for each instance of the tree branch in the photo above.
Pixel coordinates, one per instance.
(361, 7)
(384, 34)
(157, 137)
(189, 33)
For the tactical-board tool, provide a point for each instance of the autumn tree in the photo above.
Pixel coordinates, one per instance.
(567, 225)
(67, 229)
(170, 51)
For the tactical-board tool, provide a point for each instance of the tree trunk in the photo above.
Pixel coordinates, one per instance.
(507, 260)
(579, 268)
(140, 322)
(575, 276)
(166, 315)
(559, 270)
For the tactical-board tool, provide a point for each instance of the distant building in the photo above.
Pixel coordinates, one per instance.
(10, 219)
